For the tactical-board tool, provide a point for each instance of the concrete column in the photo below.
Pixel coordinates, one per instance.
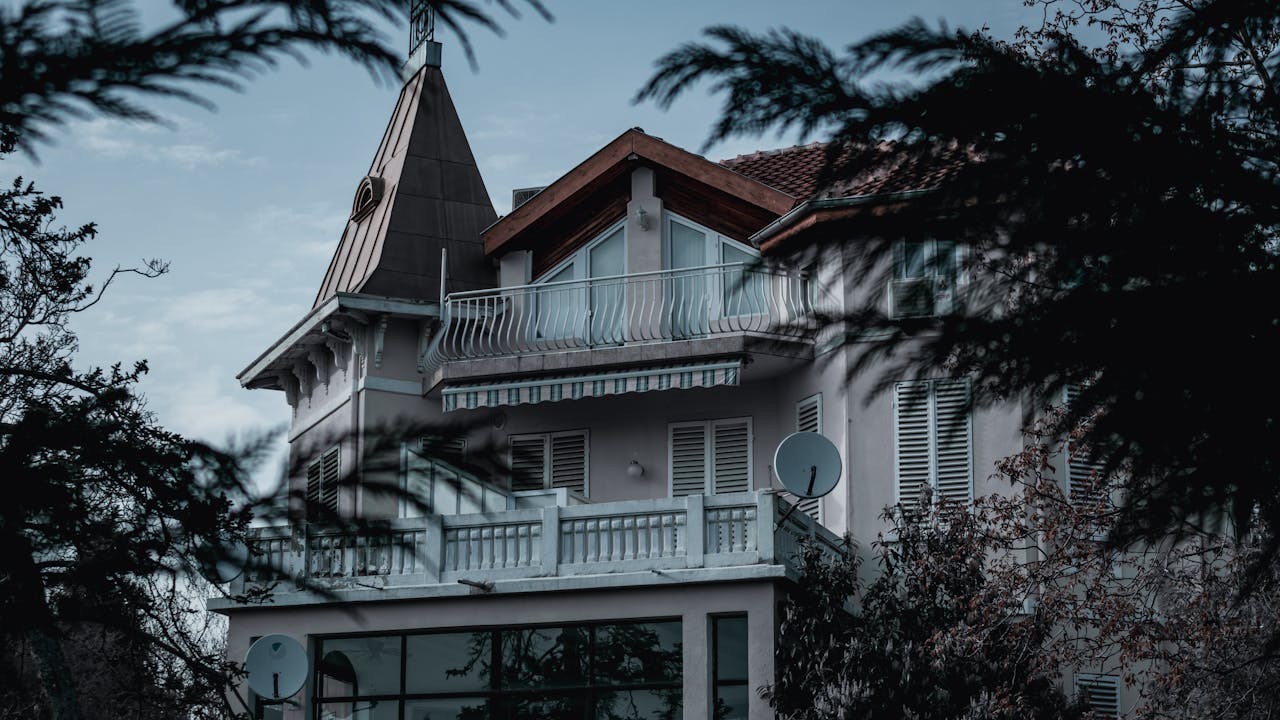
(761, 649)
(644, 246)
(696, 634)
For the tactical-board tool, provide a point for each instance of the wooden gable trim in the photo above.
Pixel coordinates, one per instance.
(631, 145)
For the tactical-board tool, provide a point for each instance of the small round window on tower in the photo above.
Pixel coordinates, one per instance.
(367, 196)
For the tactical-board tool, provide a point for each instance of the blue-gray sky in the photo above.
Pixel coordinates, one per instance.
(248, 202)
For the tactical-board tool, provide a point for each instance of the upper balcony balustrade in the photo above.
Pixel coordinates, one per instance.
(639, 308)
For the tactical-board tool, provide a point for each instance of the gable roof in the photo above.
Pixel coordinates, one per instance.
(428, 195)
(520, 228)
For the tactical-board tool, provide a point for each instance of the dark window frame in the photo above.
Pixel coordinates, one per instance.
(495, 694)
(716, 681)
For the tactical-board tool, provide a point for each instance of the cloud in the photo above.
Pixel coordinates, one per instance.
(119, 140)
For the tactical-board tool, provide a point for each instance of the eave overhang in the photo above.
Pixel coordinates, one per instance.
(519, 229)
(349, 310)
(826, 216)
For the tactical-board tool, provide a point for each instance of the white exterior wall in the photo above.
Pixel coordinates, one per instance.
(693, 605)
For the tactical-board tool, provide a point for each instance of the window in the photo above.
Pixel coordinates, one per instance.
(593, 311)
(808, 419)
(729, 667)
(616, 670)
(323, 475)
(1085, 484)
(441, 488)
(550, 460)
(933, 438)
(1099, 693)
(926, 276)
(696, 295)
(710, 456)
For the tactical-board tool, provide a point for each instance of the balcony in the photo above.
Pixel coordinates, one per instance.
(599, 314)
(644, 542)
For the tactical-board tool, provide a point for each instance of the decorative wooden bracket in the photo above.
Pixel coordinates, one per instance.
(322, 363)
(304, 376)
(379, 337)
(290, 385)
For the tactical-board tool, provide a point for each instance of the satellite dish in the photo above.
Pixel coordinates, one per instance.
(808, 464)
(277, 666)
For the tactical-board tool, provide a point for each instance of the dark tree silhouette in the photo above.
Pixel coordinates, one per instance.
(110, 520)
(1120, 203)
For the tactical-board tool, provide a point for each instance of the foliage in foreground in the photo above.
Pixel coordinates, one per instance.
(1120, 206)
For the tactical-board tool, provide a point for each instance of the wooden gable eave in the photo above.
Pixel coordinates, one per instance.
(529, 226)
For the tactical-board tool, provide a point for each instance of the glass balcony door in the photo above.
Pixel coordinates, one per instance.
(607, 259)
(689, 293)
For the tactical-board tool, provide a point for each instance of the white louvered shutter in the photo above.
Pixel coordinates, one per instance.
(1084, 475)
(1100, 693)
(688, 447)
(314, 476)
(569, 461)
(808, 419)
(731, 455)
(528, 462)
(912, 441)
(953, 440)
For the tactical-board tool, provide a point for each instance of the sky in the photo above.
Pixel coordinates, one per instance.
(248, 202)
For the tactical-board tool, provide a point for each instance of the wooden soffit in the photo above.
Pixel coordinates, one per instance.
(696, 185)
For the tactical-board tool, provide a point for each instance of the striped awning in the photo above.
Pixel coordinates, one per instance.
(584, 385)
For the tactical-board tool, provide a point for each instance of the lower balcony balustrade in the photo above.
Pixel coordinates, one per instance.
(640, 536)
(682, 304)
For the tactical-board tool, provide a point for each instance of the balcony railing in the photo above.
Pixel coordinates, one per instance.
(642, 535)
(679, 304)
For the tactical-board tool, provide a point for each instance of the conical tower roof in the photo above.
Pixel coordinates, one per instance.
(423, 193)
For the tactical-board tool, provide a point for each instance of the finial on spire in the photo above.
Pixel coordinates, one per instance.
(422, 24)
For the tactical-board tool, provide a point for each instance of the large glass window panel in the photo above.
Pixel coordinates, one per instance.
(637, 653)
(361, 710)
(688, 294)
(912, 261)
(608, 258)
(656, 704)
(448, 663)
(731, 648)
(542, 707)
(744, 288)
(374, 664)
(561, 308)
(447, 709)
(731, 702)
(544, 657)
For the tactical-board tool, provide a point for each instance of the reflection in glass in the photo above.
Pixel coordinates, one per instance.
(744, 288)
(731, 649)
(546, 706)
(561, 309)
(544, 657)
(367, 665)
(731, 703)
(607, 259)
(447, 709)
(453, 662)
(361, 710)
(660, 704)
(638, 653)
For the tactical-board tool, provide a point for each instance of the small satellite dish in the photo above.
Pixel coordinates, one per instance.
(277, 666)
(808, 464)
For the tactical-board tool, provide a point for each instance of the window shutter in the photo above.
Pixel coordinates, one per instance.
(731, 455)
(313, 488)
(953, 440)
(1100, 693)
(808, 419)
(688, 444)
(528, 462)
(911, 433)
(569, 461)
(331, 471)
(1084, 475)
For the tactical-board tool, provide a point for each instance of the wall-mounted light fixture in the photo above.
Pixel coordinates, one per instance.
(634, 468)
(642, 217)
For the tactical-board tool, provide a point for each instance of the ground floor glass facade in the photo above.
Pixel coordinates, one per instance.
(593, 671)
